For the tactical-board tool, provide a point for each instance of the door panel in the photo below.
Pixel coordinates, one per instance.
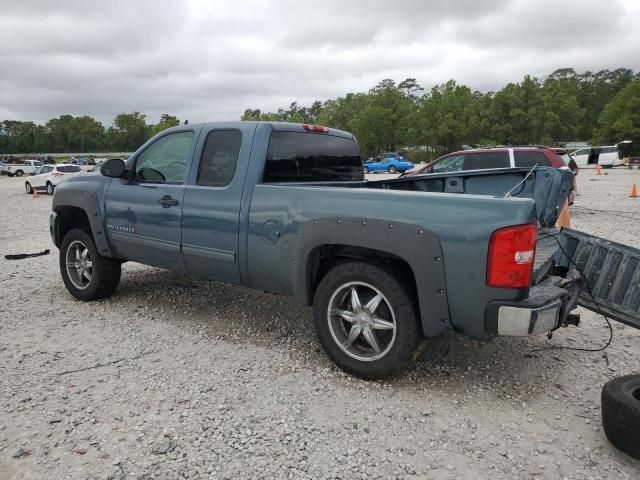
(144, 214)
(211, 211)
(612, 271)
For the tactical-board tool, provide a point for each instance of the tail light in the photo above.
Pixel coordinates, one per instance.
(511, 256)
(57, 174)
(315, 128)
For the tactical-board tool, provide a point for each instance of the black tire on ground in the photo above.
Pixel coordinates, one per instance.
(28, 188)
(408, 332)
(105, 274)
(50, 188)
(366, 169)
(621, 413)
(392, 169)
(19, 173)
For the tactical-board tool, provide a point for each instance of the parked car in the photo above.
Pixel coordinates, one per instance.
(47, 177)
(607, 156)
(387, 164)
(19, 167)
(285, 208)
(490, 158)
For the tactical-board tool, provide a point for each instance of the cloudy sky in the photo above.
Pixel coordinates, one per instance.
(211, 59)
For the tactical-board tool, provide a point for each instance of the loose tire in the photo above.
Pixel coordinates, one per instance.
(372, 334)
(366, 170)
(19, 173)
(28, 188)
(392, 169)
(621, 413)
(86, 274)
(50, 188)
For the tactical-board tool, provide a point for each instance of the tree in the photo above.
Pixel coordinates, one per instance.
(128, 132)
(166, 121)
(620, 119)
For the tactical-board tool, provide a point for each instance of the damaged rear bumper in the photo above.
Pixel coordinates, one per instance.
(544, 310)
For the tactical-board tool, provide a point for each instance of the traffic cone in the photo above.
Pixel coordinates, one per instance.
(34, 193)
(634, 191)
(598, 170)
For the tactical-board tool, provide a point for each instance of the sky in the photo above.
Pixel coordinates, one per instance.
(207, 60)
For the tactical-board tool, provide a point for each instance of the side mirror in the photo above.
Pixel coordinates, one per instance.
(113, 168)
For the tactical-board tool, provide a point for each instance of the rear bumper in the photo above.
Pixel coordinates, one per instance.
(544, 310)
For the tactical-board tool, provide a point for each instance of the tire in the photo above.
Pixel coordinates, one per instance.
(621, 413)
(360, 358)
(104, 275)
(392, 169)
(366, 170)
(19, 173)
(50, 188)
(28, 188)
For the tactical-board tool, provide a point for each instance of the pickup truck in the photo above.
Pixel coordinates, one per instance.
(285, 208)
(20, 168)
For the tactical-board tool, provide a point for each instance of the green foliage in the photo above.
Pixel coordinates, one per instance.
(620, 119)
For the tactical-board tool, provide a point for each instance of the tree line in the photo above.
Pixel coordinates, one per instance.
(80, 134)
(601, 108)
(565, 106)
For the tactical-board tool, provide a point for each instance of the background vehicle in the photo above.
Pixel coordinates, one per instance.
(491, 158)
(47, 177)
(20, 167)
(387, 164)
(607, 157)
(284, 208)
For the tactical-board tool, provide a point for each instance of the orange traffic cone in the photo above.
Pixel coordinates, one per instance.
(634, 191)
(34, 193)
(598, 170)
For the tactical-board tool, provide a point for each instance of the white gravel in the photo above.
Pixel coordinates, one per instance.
(204, 380)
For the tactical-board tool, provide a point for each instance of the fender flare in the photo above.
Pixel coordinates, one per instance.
(417, 246)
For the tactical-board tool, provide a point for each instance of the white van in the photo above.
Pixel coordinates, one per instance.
(606, 157)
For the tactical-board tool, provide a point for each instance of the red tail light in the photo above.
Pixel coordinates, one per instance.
(57, 174)
(512, 251)
(315, 128)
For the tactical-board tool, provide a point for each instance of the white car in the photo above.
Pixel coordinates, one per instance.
(48, 176)
(607, 157)
(19, 167)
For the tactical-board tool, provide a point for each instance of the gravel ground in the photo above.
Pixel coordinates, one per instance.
(176, 378)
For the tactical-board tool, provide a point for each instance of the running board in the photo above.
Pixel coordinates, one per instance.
(612, 271)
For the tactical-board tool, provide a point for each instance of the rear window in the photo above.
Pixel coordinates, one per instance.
(69, 169)
(529, 159)
(311, 157)
(484, 160)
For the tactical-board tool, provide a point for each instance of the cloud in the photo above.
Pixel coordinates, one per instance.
(204, 60)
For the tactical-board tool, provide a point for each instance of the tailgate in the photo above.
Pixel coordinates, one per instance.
(612, 271)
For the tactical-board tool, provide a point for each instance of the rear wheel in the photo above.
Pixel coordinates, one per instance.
(28, 188)
(392, 169)
(86, 274)
(19, 173)
(50, 188)
(365, 320)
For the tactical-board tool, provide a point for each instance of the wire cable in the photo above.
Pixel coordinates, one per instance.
(586, 282)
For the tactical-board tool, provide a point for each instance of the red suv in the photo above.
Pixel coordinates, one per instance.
(498, 157)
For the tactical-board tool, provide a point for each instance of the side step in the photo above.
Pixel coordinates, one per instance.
(612, 271)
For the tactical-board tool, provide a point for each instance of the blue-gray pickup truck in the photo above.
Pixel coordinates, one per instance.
(285, 208)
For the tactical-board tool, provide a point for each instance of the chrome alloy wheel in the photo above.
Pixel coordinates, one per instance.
(361, 321)
(79, 265)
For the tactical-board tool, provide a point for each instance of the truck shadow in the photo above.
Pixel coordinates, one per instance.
(241, 315)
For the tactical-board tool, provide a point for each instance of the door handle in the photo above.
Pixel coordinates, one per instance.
(167, 201)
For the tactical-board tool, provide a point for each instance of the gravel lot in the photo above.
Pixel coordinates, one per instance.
(176, 378)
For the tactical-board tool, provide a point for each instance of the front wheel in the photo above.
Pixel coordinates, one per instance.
(86, 274)
(28, 188)
(392, 169)
(50, 188)
(365, 320)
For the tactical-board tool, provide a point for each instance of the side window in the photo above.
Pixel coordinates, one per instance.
(449, 164)
(486, 160)
(219, 158)
(165, 161)
(37, 171)
(529, 159)
(46, 169)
